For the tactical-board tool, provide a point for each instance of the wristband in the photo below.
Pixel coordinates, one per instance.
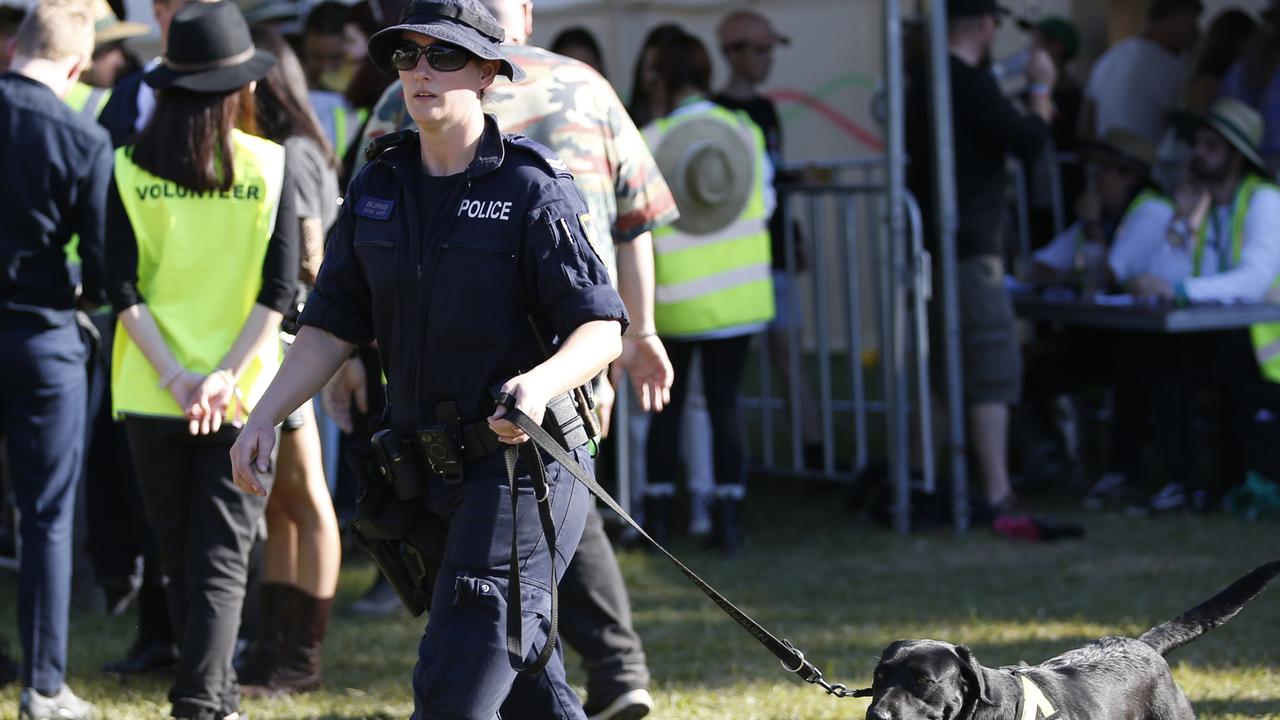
(1040, 89)
(641, 335)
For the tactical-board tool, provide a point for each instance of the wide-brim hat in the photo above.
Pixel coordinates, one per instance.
(210, 50)
(107, 28)
(1237, 123)
(710, 167)
(1123, 148)
(465, 23)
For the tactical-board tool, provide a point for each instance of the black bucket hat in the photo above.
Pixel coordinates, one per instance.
(465, 23)
(210, 50)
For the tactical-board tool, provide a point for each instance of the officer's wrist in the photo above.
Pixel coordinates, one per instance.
(639, 334)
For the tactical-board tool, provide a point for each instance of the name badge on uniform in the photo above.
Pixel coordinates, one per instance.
(375, 208)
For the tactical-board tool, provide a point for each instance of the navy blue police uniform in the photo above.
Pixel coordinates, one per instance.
(449, 299)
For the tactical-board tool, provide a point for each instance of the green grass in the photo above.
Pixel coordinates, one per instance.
(841, 590)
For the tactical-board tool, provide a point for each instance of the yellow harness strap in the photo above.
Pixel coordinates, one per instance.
(1035, 706)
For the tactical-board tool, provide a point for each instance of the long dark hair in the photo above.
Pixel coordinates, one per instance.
(188, 139)
(578, 37)
(284, 109)
(683, 64)
(639, 109)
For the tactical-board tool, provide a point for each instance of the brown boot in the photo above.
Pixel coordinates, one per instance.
(277, 614)
(298, 669)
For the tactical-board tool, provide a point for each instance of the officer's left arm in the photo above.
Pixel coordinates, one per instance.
(91, 223)
(1259, 257)
(570, 286)
(591, 347)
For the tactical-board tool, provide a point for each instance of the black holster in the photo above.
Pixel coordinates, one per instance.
(392, 523)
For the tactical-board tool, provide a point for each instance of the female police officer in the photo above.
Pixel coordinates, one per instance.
(449, 243)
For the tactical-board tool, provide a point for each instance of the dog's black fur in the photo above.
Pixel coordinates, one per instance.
(1115, 678)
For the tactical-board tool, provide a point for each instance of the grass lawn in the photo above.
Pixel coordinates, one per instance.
(841, 590)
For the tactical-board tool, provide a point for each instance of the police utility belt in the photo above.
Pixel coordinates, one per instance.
(444, 447)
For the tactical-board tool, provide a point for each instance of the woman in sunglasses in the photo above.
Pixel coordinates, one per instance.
(457, 246)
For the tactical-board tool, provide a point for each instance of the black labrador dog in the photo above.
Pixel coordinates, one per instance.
(1115, 678)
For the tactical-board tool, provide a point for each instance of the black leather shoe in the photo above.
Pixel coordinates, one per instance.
(144, 658)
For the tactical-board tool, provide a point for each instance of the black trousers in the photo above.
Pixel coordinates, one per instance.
(596, 617)
(723, 363)
(205, 527)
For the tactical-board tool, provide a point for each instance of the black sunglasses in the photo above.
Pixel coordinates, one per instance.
(445, 58)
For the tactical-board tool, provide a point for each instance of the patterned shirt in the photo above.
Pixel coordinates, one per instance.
(570, 108)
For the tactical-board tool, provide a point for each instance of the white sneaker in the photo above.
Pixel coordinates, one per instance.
(630, 705)
(63, 706)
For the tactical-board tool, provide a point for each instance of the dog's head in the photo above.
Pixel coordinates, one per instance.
(927, 680)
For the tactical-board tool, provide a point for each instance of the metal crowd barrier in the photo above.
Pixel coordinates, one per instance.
(860, 292)
(853, 284)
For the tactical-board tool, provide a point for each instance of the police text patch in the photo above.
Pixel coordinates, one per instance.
(375, 208)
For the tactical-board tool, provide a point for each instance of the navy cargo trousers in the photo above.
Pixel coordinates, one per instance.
(463, 671)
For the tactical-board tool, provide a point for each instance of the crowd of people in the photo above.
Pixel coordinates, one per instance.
(1164, 161)
(175, 298)
(407, 210)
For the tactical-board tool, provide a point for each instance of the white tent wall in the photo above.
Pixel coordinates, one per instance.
(822, 81)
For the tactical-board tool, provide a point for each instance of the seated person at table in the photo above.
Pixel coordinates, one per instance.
(1228, 228)
(1122, 219)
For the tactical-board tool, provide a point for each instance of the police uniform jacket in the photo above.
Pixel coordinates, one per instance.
(449, 298)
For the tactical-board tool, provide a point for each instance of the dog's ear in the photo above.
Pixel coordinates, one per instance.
(973, 675)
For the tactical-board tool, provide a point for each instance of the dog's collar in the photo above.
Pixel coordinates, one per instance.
(1032, 702)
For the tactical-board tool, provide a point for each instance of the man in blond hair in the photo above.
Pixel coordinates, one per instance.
(53, 184)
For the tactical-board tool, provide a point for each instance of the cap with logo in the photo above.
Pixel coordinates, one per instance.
(210, 50)
(465, 23)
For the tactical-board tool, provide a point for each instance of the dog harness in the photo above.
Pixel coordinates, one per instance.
(1033, 705)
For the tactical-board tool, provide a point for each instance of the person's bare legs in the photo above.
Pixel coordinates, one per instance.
(989, 424)
(302, 497)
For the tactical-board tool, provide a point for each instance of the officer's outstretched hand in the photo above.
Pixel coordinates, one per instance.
(251, 456)
(531, 397)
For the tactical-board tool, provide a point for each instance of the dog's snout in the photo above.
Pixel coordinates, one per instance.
(878, 712)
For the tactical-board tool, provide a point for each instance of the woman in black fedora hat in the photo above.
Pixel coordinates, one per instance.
(203, 262)
(456, 247)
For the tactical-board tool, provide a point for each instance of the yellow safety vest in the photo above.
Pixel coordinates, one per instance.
(1266, 336)
(721, 280)
(200, 258)
(342, 130)
(87, 99)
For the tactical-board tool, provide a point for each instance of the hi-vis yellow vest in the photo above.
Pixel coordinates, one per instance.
(200, 260)
(1266, 336)
(707, 284)
(87, 99)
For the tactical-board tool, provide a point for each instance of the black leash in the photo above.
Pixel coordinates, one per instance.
(791, 658)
